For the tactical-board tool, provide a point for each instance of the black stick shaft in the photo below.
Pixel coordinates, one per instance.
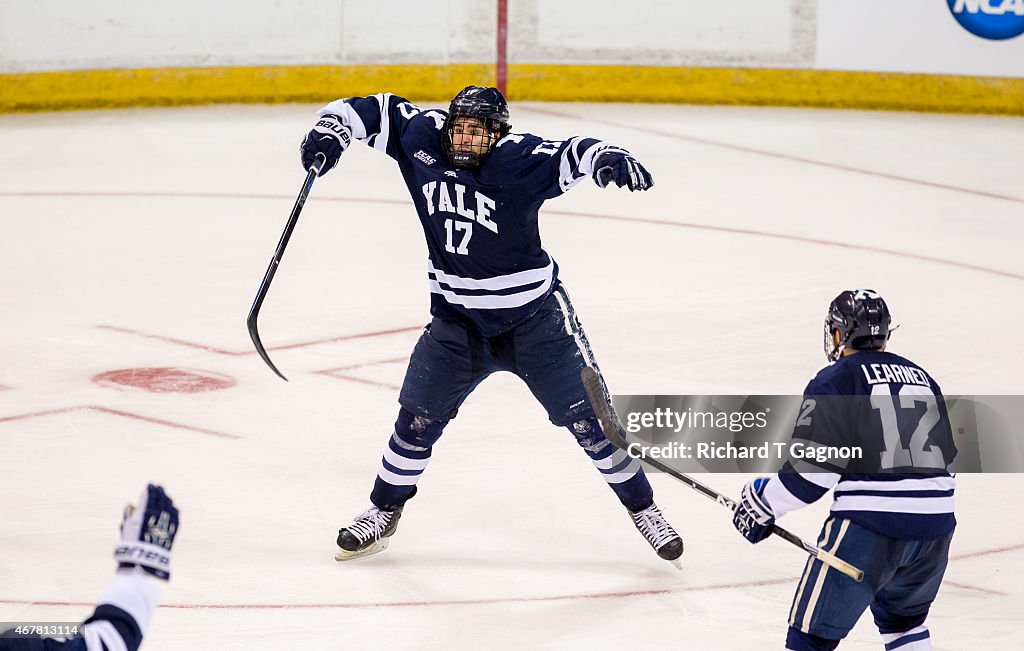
(268, 277)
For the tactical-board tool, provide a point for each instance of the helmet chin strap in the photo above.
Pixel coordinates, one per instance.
(833, 348)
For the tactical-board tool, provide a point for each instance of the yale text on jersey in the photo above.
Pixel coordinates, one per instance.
(453, 198)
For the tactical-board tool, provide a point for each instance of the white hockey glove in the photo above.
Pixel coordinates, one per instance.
(147, 533)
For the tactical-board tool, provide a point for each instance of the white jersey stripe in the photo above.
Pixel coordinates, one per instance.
(380, 143)
(919, 505)
(507, 281)
(783, 501)
(821, 479)
(493, 301)
(569, 166)
(909, 484)
(102, 636)
(571, 172)
(349, 116)
(780, 499)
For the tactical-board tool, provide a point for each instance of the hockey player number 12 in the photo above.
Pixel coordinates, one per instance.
(918, 453)
(451, 227)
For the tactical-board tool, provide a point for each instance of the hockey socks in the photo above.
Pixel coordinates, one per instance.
(623, 475)
(400, 469)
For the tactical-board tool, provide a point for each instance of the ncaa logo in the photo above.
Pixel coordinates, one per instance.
(996, 20)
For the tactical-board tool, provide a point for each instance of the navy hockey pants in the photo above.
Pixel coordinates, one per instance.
(901, 579)
(547, 351)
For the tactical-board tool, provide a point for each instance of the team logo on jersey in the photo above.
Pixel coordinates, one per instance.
(451, 173)
(996, 20)
(424, 157)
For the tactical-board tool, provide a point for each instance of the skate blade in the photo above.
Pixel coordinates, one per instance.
(375, 548)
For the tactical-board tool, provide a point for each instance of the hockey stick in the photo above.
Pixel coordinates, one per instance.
(613, 431)
(254, 311)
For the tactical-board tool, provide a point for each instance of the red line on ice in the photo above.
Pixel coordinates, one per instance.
(359, 380)
(801, 238)
(224, 351)
(639, 220)
(989, 591)
(988, 552)
(118, 412)
(338, 374)
(450, 602)
(782, 156)
(519, 600)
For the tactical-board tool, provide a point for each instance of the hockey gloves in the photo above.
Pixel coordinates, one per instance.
(147, 532)
(330, 137)
(619, 166)
(753, 517)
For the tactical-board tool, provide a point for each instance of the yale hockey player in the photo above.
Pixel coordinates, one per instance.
(496, 300)
(894, 518)
(125, 609)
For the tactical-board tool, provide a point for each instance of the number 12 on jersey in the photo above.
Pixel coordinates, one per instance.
(918, 452)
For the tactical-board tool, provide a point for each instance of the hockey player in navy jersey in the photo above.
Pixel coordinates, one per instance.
(496, 300)
(892, 517)
(123, 612)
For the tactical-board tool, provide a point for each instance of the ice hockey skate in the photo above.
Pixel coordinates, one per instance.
(368, 534)
(659, 533)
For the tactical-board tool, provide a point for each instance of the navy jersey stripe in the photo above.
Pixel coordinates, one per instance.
(907, 493)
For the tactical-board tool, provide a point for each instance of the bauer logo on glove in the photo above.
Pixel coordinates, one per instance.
(330, 137)
(331, 124)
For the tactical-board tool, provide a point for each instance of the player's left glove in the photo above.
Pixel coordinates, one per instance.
(753, 517)
(147, 533)
(619, 166)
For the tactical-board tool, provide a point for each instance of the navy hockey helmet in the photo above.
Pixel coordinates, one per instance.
(862, 319)
(485, 104)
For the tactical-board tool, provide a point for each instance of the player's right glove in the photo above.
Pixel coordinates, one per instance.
(147, 533)
(330, 137)
(753, 517)
(618, 165)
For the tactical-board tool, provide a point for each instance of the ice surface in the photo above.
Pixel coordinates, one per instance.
(136, 239)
